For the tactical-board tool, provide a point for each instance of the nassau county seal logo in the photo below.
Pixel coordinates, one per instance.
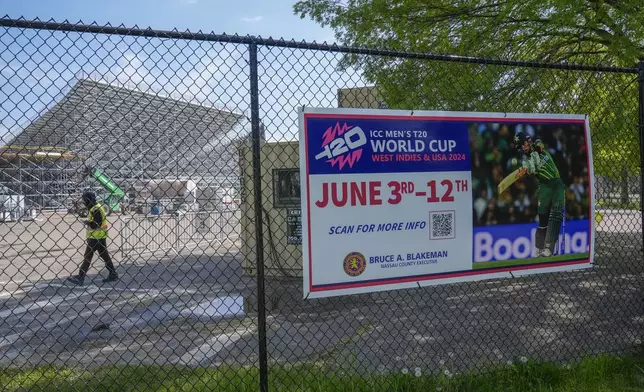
(354, 264)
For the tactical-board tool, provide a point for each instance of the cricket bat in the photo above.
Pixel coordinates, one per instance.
(511, 179)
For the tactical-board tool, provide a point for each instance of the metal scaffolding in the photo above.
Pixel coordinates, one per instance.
(130, 135)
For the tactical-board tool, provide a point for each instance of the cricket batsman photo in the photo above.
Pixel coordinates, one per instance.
(530, 193)
(551, 203)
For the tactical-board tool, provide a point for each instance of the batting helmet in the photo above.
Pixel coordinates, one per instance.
(520, 138)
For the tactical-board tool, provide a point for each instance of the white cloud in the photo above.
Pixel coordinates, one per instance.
(253, 19)
(131, 71)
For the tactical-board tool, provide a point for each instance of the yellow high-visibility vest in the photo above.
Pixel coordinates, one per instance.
(101, 232)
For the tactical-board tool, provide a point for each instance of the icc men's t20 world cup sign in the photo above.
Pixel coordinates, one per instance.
(397, 199)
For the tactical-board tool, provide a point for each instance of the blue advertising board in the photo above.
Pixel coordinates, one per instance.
(517, 242)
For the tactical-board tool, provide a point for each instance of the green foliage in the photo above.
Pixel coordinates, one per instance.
(588, 32)
(607, 32)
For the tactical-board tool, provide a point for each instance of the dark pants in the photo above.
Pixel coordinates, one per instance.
(94, 245)
(552, 204)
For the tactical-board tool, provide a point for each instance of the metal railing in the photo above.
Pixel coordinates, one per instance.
(141, 234)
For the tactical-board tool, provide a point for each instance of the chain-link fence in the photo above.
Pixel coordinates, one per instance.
(190, 141)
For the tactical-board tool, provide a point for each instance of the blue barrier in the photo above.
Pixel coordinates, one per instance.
(509, 242)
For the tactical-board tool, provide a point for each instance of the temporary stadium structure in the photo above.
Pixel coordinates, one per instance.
(31, 172)
(130, 134)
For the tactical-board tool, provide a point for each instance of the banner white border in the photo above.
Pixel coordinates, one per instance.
(511, 272)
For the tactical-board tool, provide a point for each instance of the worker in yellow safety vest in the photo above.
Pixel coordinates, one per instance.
(96, 235)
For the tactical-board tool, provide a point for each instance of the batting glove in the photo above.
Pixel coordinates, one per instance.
(529, 166)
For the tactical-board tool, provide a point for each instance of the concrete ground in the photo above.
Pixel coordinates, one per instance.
(197, 308)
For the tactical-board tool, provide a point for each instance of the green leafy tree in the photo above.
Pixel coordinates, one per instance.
(588, 32)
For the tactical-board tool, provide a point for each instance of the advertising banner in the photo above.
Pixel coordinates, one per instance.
(396, 199)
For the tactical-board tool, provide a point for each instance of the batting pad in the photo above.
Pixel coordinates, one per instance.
(540, 237)
(554, 225)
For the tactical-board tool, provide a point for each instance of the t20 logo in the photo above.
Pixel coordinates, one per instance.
(342, 145)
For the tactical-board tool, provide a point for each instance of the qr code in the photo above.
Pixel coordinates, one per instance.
(441, 224)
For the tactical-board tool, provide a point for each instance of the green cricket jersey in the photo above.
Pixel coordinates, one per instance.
(551, 192)
(543, 163)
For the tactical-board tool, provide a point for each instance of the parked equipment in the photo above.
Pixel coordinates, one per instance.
(112, 200)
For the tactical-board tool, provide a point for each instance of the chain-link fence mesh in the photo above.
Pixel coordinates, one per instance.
(160, 126)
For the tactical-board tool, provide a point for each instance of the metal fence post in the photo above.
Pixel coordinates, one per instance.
(177, 230)
(641, 134)
(259, 236)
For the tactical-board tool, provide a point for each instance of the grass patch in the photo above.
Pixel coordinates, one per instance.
(598, 217)
(603, 373)
(539, 260)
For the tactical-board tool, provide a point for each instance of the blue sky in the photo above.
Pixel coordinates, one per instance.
(266, 18)
(38, 67)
